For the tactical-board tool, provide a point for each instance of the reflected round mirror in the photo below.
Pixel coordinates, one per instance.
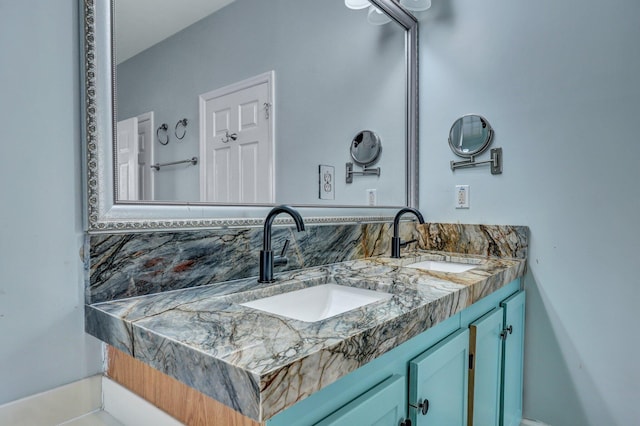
(470, 135)
(366, 148)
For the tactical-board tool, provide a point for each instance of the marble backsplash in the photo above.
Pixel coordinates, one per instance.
(133, 264)
(484, 240)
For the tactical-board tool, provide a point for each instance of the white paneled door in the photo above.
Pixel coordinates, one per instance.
(236, 142)
(127, 158)
(134, 146)
(145, 157)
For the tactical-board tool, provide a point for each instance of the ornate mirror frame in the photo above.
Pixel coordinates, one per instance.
(102, 214)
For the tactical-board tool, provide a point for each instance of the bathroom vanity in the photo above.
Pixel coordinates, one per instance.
(443, 346)
(428, 378)
(171, 280)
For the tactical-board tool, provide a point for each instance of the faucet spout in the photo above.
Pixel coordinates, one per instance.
(396, 242)
(266, 254)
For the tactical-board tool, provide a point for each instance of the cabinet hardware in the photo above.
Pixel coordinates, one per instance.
(505, 332)
(407, 422)
(423, 406)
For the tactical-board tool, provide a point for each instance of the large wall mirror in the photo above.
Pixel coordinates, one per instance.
(209, 112)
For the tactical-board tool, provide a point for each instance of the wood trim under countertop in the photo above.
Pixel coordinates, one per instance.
(175, 398)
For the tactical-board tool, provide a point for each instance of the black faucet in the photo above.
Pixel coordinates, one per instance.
(396, 243)
(266, 254)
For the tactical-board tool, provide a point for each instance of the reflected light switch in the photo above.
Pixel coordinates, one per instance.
(372, 197)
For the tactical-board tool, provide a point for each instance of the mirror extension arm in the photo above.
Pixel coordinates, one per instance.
(496, 162)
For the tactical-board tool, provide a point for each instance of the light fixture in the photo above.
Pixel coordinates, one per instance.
(416, 5)
(357, 4)
(377, 17)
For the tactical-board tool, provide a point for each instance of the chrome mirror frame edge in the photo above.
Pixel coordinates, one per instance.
(410, 24)
(103, 215)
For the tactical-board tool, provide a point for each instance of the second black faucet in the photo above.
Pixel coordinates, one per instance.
(396, 242)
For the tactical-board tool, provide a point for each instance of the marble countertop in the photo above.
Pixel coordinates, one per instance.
(260, 364)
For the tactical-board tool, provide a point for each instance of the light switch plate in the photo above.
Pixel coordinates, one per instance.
(372, 197)
(462, 196)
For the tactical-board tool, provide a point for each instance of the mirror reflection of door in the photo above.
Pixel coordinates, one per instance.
(134, 157)
(236, 142)
(127, 157)
(145, 157)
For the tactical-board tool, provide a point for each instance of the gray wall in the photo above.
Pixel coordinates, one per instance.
(559, 83)
(554, 78)
(335, 74)
(43, 343)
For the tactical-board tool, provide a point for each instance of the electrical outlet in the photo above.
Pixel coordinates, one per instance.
(462, 196)
(372, 197)
(326, 182)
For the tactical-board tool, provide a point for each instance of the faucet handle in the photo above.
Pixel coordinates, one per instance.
(406, 243)
(281, 259)
(397, 244)
(285, 247)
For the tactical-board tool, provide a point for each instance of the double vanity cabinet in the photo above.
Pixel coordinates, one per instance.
(468, 365)
(444, 348)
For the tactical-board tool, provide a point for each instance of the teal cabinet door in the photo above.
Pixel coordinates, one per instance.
(485, 369)
(513, 359)
(383, 405)
(438, 378)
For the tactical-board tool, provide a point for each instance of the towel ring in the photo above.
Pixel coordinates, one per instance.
(182, 123)
(164, 128)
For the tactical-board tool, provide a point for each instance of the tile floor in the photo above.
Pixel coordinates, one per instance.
(97, 418)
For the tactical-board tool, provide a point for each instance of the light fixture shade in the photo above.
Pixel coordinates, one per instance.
(357, 4)
(416, 5)
(377, 17)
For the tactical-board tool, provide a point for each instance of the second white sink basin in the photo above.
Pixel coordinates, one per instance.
(440, 266)
(317, 303)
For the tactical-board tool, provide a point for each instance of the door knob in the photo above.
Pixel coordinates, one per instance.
(229, 137)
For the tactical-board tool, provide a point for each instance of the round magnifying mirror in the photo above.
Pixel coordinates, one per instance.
(470, 135)
(366, 148)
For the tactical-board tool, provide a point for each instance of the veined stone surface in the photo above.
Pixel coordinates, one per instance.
(260, 363)
(133, 264)
(484, 240)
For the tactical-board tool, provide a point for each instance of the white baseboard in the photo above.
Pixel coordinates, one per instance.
(56, 405)
(93, 394)
(530, 422)
(132, 410)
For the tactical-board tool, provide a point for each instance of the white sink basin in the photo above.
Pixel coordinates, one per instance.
(317, 303)
(442, 266)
